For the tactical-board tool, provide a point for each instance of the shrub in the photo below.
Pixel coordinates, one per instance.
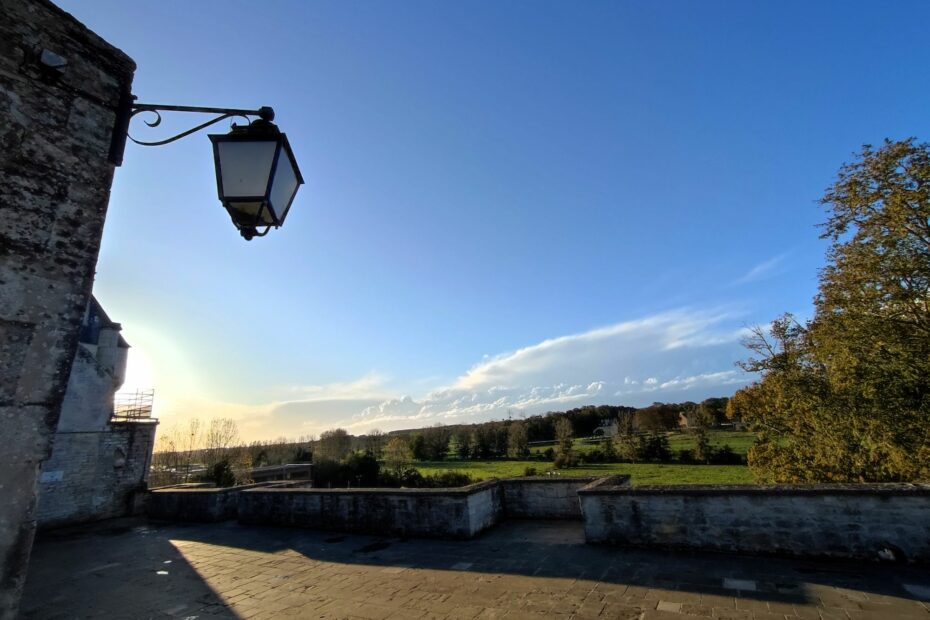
(549, 454)
(446, 479)
(726, 456)
(654, 447)
(327, 473)
(565, 459)
(361, 469)
(530, 471)
(412, 479)
(222, 474)
(686, 456)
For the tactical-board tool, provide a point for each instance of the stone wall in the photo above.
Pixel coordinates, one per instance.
(88, 401)
(95, 475)
(453, 513)
(543, 497)
(863, 521)
(55, 131)
(197, 504)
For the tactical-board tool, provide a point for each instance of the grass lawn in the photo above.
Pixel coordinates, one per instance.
(641, 473)
(740, 442)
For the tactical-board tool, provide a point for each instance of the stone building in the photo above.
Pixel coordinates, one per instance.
(60, 88)
(100, 457)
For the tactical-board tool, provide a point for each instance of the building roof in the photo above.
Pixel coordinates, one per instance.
(96, 319)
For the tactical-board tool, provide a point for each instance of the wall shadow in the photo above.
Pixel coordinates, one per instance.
(556, 549)
(120, 568)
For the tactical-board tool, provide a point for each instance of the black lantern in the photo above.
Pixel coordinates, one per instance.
(256, 175)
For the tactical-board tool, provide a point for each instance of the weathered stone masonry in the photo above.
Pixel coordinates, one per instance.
(95, 475)
(99, 465)
(55, 131)
(443, 513)
(869, 521)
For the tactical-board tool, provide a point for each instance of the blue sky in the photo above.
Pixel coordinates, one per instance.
(521, 206)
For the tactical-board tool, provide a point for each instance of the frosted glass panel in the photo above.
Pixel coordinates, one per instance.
(246, 212)
(285, 184)
(245, 167)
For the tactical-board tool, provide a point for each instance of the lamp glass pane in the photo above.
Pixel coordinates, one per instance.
(244, 213)
(284, 185)
(245, 166)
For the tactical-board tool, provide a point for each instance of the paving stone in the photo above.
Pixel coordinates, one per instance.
(726, 613)
(693, 609)
(517, 570)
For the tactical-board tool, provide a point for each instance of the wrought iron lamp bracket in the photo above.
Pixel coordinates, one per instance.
(128, 108)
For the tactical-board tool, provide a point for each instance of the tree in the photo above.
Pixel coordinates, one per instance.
(462, 444)
(489, 440)
(846, 396)
(518, 446)
(418, 446)
(436, 442)
(167, 460)
(222, 434)
(192, 441)
(334, 444)
(242, 466)
(714, 410)
(374, 442)
(658, 417)
(397, 454)
(563, 442)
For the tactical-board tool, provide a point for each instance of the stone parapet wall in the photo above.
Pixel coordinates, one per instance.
(452, 513)
(543, 497)
(861, 521)
(446, 513)
(94, 475)
(198, 503)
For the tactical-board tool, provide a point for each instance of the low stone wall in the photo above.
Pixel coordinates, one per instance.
(862, 521)
(191, 503)
(456, 513)
(443, 513)
(543, 497)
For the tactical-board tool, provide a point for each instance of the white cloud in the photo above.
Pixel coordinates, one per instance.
(765, 269)
(676, 355)
(672, 356)
(369, 384)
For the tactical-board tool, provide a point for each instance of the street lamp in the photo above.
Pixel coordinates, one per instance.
(257, 176)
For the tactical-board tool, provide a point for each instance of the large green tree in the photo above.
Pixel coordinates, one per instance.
(846, 396)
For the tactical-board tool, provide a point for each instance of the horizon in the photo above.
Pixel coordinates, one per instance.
(524, 206)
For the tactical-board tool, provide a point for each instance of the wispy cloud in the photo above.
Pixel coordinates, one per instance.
(763, 270)
(370, 384)
(676, 355)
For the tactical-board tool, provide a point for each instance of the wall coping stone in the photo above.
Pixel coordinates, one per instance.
(437, 492)
(235, 489)
(586, 479)
(604, 487)
(608, 484)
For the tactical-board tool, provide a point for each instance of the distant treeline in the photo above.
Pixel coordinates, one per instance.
(630, 434)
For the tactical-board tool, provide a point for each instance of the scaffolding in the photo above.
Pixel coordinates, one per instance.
(128, 406)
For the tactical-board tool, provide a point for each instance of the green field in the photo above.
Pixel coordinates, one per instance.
(739, 442)
(640, 473)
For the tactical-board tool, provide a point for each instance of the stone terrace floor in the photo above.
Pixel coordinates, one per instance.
(520, 569)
